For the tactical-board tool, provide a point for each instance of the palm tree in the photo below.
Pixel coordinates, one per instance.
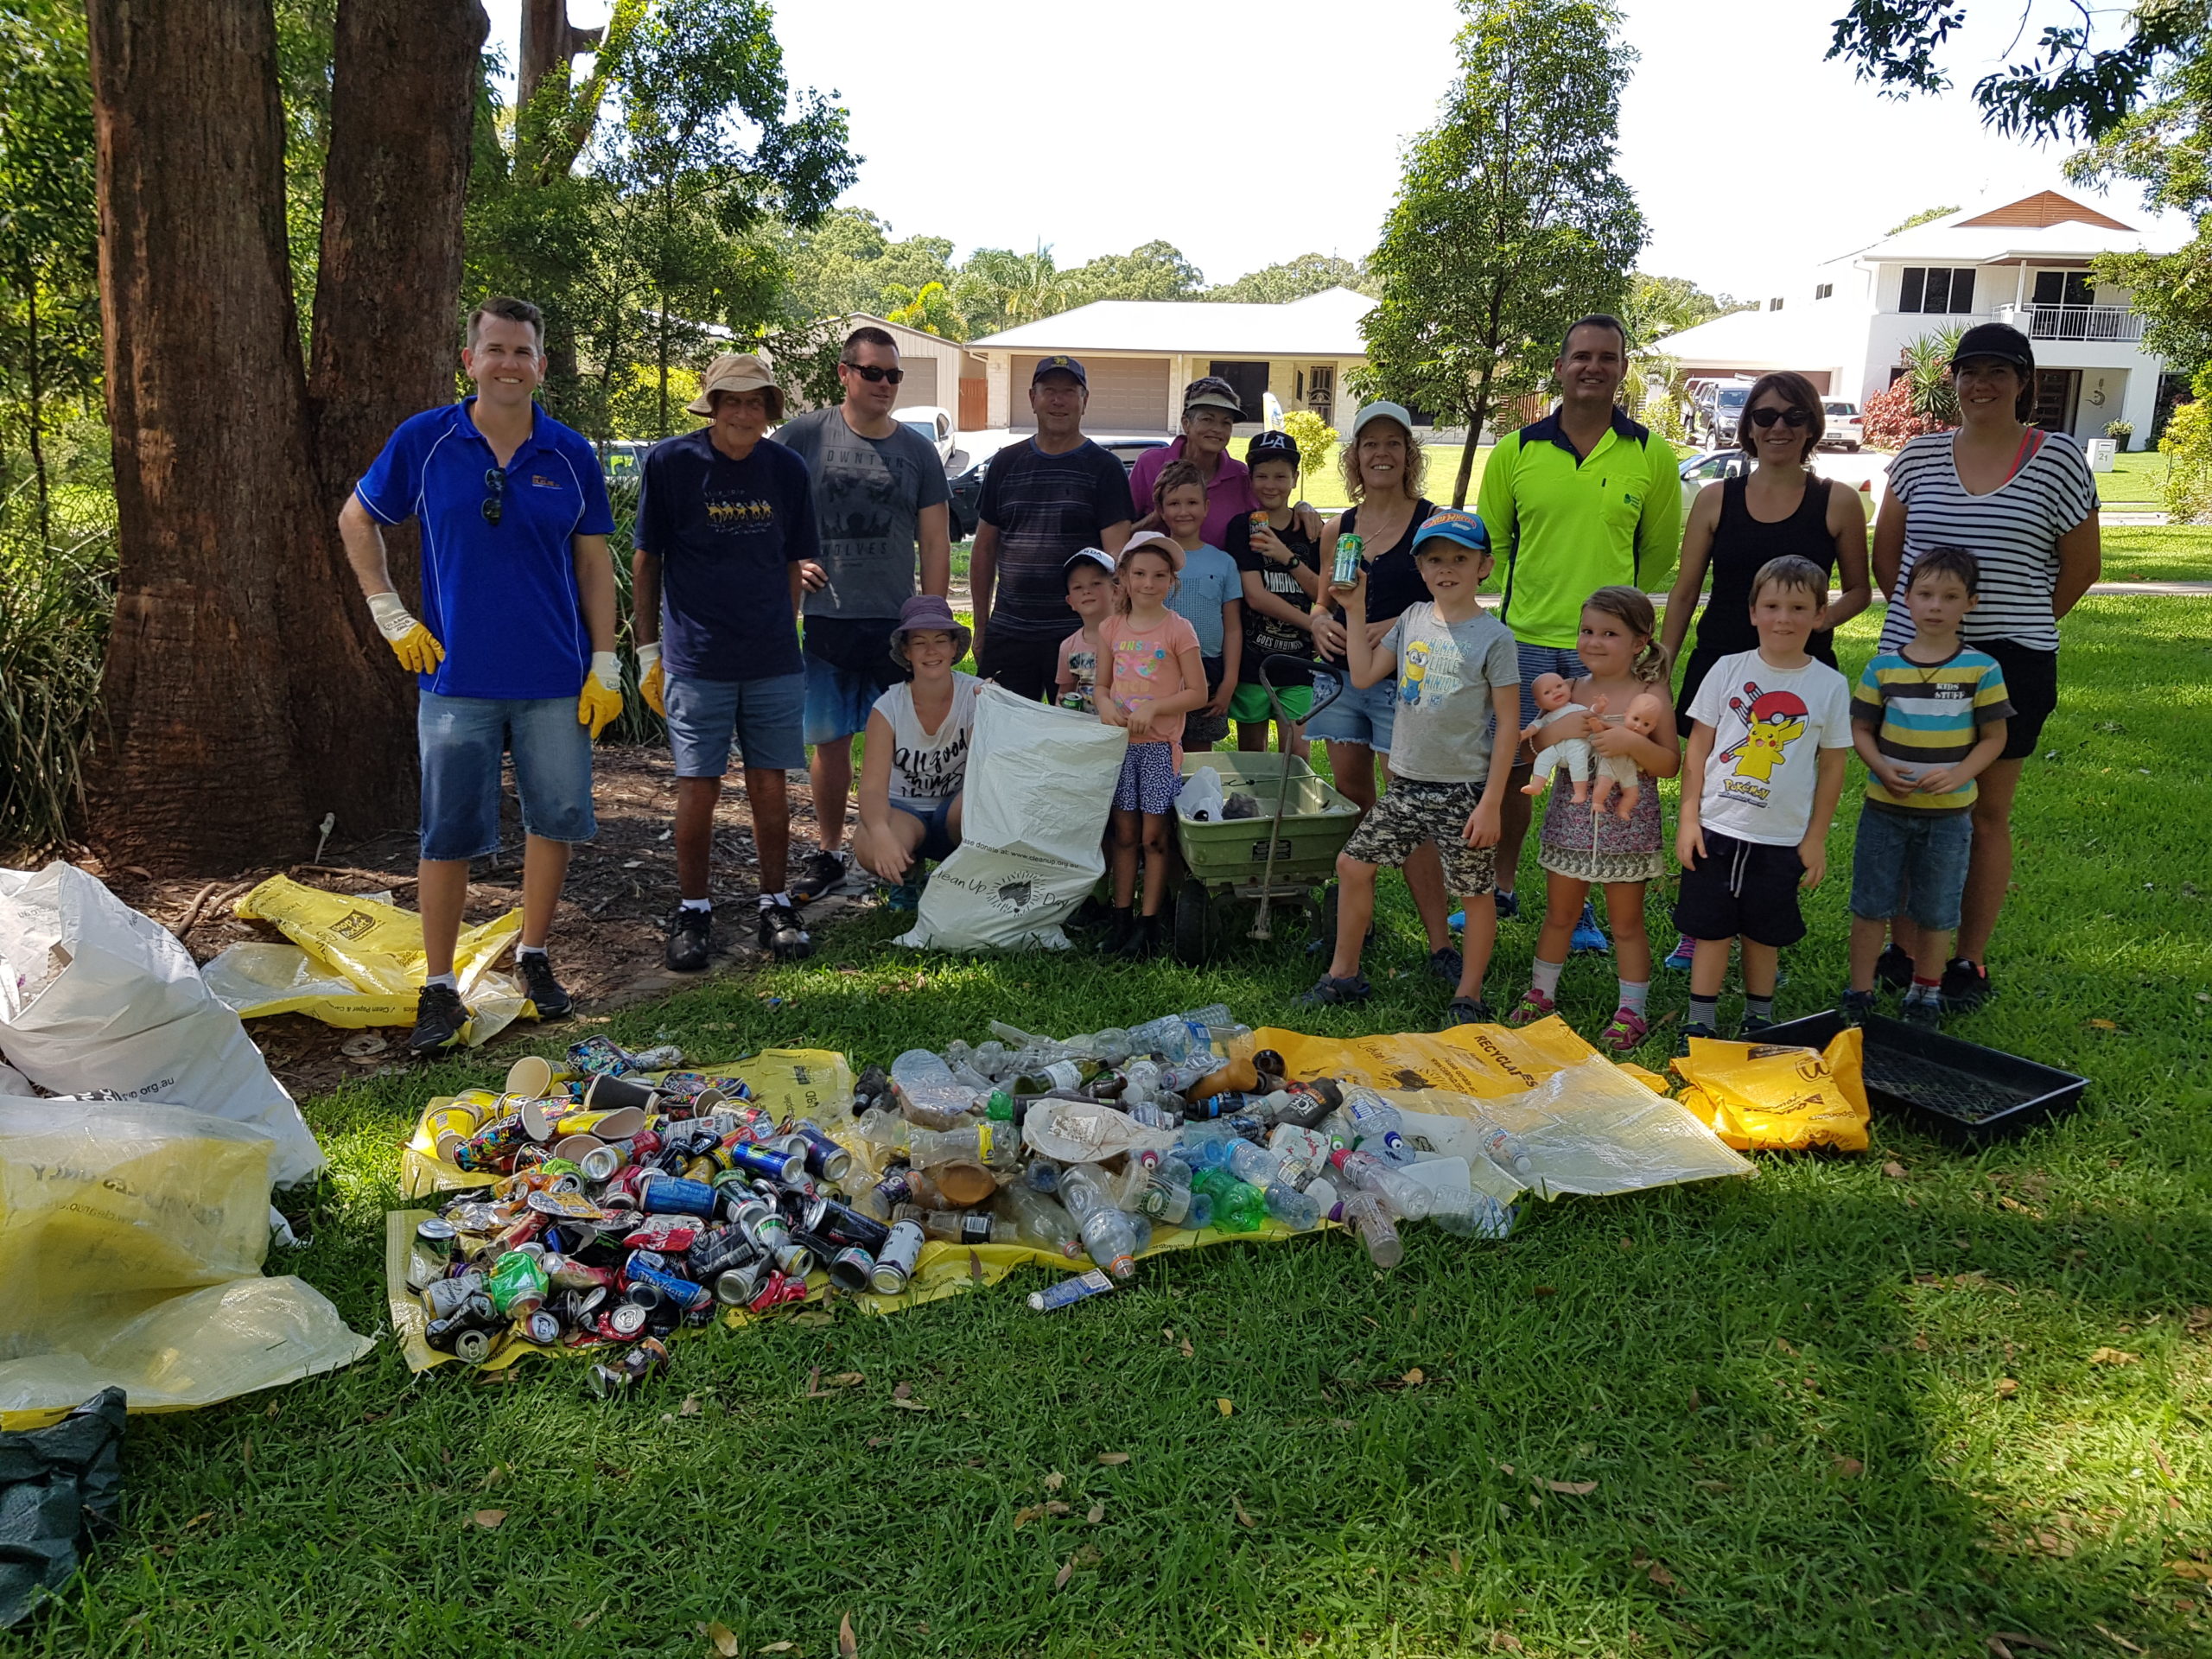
(1928, 372)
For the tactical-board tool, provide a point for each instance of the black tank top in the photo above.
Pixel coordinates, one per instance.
(1393, 579)
(1741, 544)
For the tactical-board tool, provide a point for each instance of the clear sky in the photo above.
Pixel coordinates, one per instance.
(1249, 134)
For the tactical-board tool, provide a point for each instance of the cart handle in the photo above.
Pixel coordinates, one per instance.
(1337, 681)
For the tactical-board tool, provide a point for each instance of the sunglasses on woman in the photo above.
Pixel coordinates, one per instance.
(870, 374)
(1792, 419)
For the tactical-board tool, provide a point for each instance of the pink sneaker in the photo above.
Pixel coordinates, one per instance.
(1533, 1005)
(1625, 1030)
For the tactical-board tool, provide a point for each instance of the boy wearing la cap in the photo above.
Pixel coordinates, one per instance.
(726, 540)
(1280, 566)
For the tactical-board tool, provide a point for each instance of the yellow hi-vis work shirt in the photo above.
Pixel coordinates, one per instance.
(1563, 527)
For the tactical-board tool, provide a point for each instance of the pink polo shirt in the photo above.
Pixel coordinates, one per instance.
(1228, 496)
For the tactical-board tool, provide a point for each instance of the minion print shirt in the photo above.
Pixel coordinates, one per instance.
(726, 533)
(1769, 725)
(1442, 731)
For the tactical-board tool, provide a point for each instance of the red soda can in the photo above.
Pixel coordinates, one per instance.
(776, 1291)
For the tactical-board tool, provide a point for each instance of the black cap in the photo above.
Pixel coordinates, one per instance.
(1998, 339)
(1271, 446)
(1061, 363)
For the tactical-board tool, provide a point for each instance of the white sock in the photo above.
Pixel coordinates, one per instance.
(1544, 976)
(446, 980)
(1633, 995)
(770, 900)
(698, 904)
(530, 950)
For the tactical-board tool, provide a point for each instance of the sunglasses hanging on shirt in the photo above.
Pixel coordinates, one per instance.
(495, 480)
(1792, 419)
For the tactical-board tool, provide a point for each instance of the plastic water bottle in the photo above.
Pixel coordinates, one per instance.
(1153, 1116)
(933, 1098)
(1370, 1218)
(1108, 1235)
(1238, 1206)
(1170, 1199)
(1042, 1175)
(1168, 1036)
(1504, 1148)
(995, 1145)
(1039, 1222)
(1254, 1164)
(1471, 1214)
(1375, 1125)
(1293, 1208)
(1371, 1174)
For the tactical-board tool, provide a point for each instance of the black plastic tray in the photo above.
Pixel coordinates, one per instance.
(1958, 1091)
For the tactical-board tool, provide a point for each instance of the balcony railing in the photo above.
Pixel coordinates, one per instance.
(2095, 322)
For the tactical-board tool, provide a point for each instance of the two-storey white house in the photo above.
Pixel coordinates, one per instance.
(2025, 263)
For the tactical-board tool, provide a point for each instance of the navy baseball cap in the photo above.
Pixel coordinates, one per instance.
(1061, 363)
(1271, 446)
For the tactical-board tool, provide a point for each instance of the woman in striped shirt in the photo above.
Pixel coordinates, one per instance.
(2024, 503)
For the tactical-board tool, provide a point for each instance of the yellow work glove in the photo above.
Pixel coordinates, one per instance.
(653, 685)
(416, 647)
(600, 705)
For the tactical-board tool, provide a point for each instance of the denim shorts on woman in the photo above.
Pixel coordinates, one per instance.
(936, 819)
(1910, 864)
(1358, 716)
(767, 718)
(461, 740)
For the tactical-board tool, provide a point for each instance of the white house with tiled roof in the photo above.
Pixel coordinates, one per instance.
(2025, 263)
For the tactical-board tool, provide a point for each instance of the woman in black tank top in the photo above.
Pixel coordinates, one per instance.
(1726, 533)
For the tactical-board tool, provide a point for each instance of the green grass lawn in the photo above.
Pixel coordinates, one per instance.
(1849, 1407)
(2157, 553)
(2133, 482)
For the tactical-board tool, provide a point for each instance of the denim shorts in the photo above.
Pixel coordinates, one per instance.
(461, 740)
(937, 824)
(1910, 864)
(848, 666)
(1536, 661)
(1358, 716)
(767, 718)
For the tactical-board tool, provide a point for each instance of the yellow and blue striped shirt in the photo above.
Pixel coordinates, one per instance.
(1928, 716)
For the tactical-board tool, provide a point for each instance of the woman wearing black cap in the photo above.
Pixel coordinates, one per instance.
(2023, 501)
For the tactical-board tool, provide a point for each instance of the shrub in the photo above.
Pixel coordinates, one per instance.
(55, 603)
(2120, 432)
(1315, 438)
(1889, 418)
(2187, 446)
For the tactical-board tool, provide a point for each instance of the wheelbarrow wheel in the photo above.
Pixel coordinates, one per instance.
(1193, 923)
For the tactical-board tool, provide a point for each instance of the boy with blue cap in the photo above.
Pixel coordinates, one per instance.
(1458, 684)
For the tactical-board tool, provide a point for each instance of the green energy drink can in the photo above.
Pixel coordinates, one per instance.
(1345, 575)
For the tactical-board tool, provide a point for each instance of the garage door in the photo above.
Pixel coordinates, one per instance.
(919, 387)
(1129, 395)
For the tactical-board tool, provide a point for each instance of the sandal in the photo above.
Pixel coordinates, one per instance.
(1627, 1030)
(1329, 992)
(1467, 1011)
(1533, 1005)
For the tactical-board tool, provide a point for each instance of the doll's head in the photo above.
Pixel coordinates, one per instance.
(1645, 711)
(1550, 691)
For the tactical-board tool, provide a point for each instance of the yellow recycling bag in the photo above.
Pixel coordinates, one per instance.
(1772, 1097)
(1485, 1061)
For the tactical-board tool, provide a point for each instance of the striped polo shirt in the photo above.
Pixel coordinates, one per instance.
(1926, 716)
(2012, 532)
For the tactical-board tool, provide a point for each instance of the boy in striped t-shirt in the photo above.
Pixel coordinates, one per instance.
(1926, 719)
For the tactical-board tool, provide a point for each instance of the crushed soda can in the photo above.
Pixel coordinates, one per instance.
(647, 1358)
(599, 1057)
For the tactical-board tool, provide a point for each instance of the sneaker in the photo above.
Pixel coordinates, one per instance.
(690, 940)
(1752, 1025)
(1457, 921)
(1467, 1011)
(1925, 1011)
(781, 935)
(1508, 908)
(1589, 938)
(1692, 1028)
(1533, 1005)
(540, 986)
(439, 1015)
(1627, 1030)
(1447, 965)
(905, 896)
(1329, 992)
(824, 872)
(1853, 1007)
(1682, 955)
(1966, 985)
(1120, 928)
(1892, 969)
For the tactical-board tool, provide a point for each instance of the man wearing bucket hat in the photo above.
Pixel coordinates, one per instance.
(516, 650)
(726, 540)
(1044, 500)
(915, 760)
(879, 495)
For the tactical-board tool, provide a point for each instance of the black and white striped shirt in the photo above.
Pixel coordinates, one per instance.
(2013, 531)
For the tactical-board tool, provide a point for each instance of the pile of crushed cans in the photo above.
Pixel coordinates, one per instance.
(619, 1204)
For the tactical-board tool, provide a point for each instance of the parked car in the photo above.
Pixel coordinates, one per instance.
(622, 458)
(967, 468)
(934, 424)
(1724, 413)
(1870, 481)
(1844, 425)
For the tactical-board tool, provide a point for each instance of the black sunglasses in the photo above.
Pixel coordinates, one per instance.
(496, 481)
(1792, 419)
(870, 374)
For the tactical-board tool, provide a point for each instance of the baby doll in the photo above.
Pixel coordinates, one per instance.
(1566, 747)
(1645, 711)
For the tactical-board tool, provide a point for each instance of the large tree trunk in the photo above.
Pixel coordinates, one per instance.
(549, 42)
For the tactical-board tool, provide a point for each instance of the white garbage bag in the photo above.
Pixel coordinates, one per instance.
(1040, 782)
(98, 1003)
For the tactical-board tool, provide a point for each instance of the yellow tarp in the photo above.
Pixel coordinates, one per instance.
(1758, 1096)
(1485, 1061)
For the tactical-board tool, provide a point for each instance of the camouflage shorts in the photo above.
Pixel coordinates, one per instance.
(1413, 811)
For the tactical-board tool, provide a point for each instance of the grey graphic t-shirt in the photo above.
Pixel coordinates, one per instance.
(869, 495)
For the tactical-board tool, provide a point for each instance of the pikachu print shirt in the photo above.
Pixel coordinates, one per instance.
(1769, 725)
(726, 533)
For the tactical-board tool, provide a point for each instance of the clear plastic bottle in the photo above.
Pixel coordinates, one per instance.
(994, 1146)
(1504, 1148)
(1238, 1206)
(931, 1096)
(1154, 1116)
(1107, 1234)
(1170, 1199)
(1254, 1164)
(1468, 1213)
(1371, 1174)
(1376, 1125)
(1038, 1222)
(1042, 1175)
(966, 1227)
(1293, 1208)
(1370, 1217)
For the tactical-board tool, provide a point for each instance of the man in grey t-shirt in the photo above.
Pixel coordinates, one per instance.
(880, 494)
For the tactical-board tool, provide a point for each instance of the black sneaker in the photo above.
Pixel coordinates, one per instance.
(540, 985)
(1508, 905)
(1753, 1025)
(781, 935)
(1467, 1011)
(1892, 969)
(439, 1015)
(1692, 1028)
(1966, 985)
(1853, 1007)
(1148, 938)
(1925, 1011)
(1120, 928)
(823, 872)
(690, 940)
(1447, 963)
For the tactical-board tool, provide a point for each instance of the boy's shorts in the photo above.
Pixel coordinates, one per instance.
(1247, 704)
(1202, 730)
(1910, 864)
(1358, 716)
(460, 741)
(1744, 889)
(849, 665)
(1149, 781)
(766, 717)
(1412, 812)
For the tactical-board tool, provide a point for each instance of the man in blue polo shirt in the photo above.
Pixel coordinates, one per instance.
(515, 650)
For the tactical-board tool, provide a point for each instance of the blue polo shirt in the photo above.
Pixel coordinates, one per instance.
(501, 598)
